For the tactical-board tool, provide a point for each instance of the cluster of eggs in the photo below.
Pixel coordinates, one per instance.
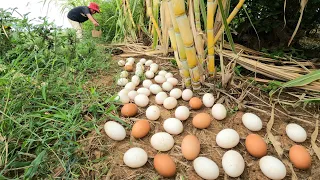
(232, 161)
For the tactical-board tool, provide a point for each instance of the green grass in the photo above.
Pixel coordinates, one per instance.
(44, 97)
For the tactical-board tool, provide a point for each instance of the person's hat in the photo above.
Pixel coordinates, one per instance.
(94, 6)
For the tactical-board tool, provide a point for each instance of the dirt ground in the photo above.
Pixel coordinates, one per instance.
(107, 154)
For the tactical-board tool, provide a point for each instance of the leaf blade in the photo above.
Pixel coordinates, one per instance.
(303, 80)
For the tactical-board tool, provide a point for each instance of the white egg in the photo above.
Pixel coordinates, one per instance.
(154, 65)
(168, 75)
(130, 59)
(139, 72)
(170, 103)
(143, 60)
(160, 79)
(153, 113)
(233, 163)
(136, 80)
(121, 63)
(122, 81)
(141, 100)
(128, 63)
(155, 88)
(147, 83)
(124, 74)
(182, 113)
(160, 97)
(296, 133)
(227, 138)
(135, 157)
(272, 167)
(130, 86)
(252, 122)
(144, 91)
(114, 130)
(173, 126)
(149, 74)
(148, 63)
(172, 80)
(206, 168)
(208, 100)
(154, 69)
(132, 94)
(167, 86)
(187, 94)
(139, 66)
(124, 98)
(162, 73)
(219, 112)
(162, 141)
(123, 91)
(176, 93)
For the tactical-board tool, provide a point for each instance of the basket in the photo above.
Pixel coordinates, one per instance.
(96, 33)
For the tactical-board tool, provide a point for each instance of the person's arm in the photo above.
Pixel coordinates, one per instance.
(92, 20)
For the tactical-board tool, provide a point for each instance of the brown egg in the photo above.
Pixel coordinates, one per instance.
(201, 120)
(190, 147)
(140, 129)
(300, 157)
(256, 146)
(195, 103)
(129, 110)
(128, 68)
(164, 165)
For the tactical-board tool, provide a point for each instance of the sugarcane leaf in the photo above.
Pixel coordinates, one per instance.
(303, 80)
(227, 30)
(204, 13)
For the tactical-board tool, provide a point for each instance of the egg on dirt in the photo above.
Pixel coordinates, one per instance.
(122, 81)
(167, 86)
(160, 79)
(141, 100)
(208, 100)
(252, 122)
(190, 147)
(182, 113)
(170, 103)
(164, 165)
(219, 112)
(172, 80)
(155, 88)
(129, 110)
(173, 126)
(187, 94)
(176, 93)
(135, 157)
(160, 97)
(162, 141)
(153, 112)
(147, 83)
(114, 130)
(140, 129)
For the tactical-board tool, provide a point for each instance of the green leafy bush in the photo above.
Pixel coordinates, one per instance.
(43, 71)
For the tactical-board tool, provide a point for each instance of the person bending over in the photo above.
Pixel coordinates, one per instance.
(80, 14)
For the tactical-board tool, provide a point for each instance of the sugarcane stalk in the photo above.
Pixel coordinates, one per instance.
(184, 70)
(187, 38)
(212, 7)
(155, 24)
(130, 14)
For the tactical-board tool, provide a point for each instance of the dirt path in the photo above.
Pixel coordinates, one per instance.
(107, 155)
